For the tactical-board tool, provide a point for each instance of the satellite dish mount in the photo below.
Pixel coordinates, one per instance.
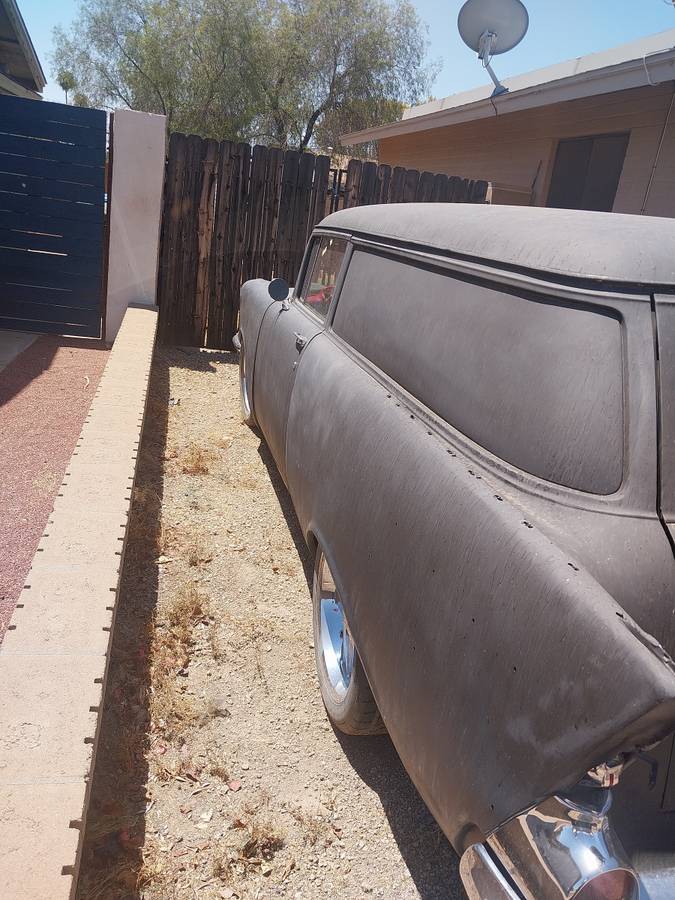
(490, 27)
(486, 45)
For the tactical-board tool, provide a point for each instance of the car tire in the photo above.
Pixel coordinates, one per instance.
(345, 691)
(247, 416)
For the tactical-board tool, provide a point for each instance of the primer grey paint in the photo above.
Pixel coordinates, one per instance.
(513, 608)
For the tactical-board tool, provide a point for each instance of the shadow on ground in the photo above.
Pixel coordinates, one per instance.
(115, 830)
(431, 861)
(287, 509)
(36, 359)
(112, 860)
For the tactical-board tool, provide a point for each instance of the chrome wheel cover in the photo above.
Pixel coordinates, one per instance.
(337, 646)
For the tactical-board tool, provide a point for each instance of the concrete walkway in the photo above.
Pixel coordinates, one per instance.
(53, 661)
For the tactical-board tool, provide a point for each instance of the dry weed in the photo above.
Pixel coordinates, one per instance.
(168, 538)
(314, 828)
(184, 768)
(172, 641)
(188, 607)
(195, 460)
(120, 881)
(198, 555)
(151, 869)
(217, 651)
(263, 840)
(217, 769)
(220, 441)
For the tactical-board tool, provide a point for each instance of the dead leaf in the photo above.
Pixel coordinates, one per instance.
(287, 871)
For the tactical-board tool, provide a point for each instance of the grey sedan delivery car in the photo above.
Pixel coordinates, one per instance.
(473, 409)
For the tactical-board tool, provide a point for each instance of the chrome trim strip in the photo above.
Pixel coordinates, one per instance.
(482, 878)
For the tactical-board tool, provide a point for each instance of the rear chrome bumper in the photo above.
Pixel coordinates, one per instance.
(482, 877)
(551, 852)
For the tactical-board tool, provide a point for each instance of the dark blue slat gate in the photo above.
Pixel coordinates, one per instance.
(52, 217)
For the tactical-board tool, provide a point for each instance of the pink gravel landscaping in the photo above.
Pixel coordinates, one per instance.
(45, 394)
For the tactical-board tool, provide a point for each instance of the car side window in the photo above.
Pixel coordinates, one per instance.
(322, 272)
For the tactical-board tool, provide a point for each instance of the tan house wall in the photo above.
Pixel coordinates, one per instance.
(516, 151)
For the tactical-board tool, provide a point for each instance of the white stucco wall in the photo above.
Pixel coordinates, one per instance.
(139, 147)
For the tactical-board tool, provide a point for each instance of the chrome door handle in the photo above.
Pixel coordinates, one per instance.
(300, 341)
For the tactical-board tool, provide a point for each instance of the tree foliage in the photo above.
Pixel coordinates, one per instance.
(293, 73)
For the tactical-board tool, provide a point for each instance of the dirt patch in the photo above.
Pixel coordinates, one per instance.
(218, 774)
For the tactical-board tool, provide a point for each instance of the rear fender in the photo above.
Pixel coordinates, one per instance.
(502, 669)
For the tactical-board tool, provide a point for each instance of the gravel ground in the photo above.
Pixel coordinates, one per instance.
(45, 394)
(218, 774)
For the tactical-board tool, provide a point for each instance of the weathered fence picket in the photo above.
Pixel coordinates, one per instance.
(233, 212)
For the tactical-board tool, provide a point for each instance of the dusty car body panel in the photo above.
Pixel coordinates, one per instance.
(516, 623)
(566, 244)
(283, 335)
(546, 681)
(255, 301)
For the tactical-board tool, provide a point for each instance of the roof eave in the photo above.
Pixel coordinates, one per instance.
(629, 74)
(15, 17)
(14, 89)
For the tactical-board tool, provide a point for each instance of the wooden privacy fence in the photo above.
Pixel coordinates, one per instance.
(232, 212)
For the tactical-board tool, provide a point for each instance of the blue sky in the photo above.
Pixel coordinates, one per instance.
(557, 31)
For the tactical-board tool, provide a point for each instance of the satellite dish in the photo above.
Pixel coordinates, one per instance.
(490, 27)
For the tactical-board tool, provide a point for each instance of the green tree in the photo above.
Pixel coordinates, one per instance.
(293, 73)
(332, 66)
(162, 57)
(66, 81)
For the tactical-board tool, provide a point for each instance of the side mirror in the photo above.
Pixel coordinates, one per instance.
(278, 289)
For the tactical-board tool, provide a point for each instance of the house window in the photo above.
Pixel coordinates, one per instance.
(586, 172)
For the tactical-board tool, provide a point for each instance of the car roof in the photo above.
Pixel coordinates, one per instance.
(577, 244)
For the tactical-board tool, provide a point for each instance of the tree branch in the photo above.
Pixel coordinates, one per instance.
(141, 72)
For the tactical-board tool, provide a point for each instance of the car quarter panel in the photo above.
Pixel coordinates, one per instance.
(501, 671)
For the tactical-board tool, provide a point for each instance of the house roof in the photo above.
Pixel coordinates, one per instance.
(577, 244)
(18, 60)
(649, 60)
